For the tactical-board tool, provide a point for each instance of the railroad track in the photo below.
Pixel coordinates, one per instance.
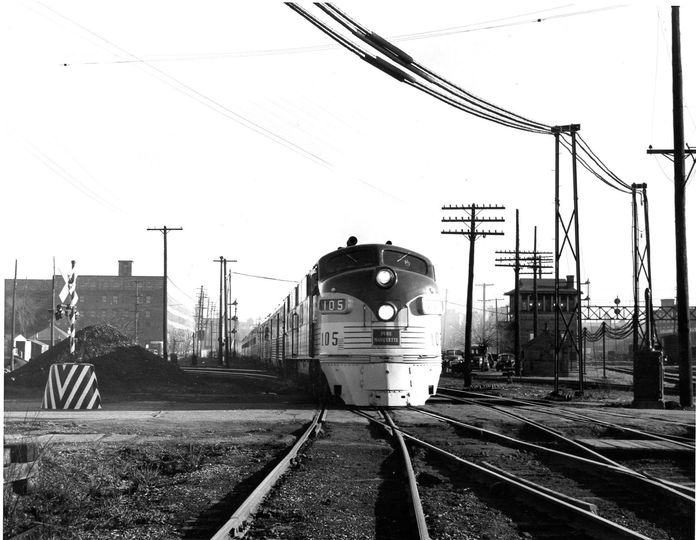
(459, 479)
(549, 407)
(508, 464)
(661, 457)
(344, 478)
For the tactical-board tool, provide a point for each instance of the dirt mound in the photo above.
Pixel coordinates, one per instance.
(119, 364)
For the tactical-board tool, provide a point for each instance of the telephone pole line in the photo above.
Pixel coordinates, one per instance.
(165, 345)
(472, 219)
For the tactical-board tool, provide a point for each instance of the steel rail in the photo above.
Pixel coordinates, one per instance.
(416, 506)
(683, 496)
(621, 415)
(552, 432)
(527, 492)
(238, 524)
(242, 372)
(680, 441)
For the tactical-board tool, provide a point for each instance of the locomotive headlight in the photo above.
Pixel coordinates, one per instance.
(385, 277)
(430, 304)
(386, 312)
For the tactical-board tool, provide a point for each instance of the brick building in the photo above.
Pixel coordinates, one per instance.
(545, 300)
(132, 304)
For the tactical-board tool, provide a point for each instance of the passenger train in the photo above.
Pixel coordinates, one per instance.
(363, 325)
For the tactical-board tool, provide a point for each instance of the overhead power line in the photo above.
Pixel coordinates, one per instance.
(265, 277)
(426, 80)
(198, 96)
(422, 78)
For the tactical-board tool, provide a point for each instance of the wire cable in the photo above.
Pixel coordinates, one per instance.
(448, 92)
(405, 60)
(265, 277)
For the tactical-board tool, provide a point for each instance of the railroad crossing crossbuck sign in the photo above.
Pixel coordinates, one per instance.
(69, 291)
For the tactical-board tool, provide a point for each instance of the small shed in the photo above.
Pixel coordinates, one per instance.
(28, 348)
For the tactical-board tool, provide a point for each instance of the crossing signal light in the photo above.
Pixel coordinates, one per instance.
(59, 312)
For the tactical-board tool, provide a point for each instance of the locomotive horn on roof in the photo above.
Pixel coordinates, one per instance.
(352, 241)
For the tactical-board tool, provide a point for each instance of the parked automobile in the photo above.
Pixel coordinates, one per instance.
(452, 360)
(506, 361)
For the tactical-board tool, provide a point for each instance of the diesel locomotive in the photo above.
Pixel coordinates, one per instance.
(363, 324)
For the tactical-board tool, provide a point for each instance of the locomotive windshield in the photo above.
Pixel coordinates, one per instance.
(362, 257)
(348, 260)
(405, 260)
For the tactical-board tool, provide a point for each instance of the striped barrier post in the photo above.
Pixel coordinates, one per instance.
(71, 386)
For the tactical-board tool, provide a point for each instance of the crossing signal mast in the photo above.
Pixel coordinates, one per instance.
(68, 306)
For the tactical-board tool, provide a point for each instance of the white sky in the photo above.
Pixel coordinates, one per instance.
(95, 152)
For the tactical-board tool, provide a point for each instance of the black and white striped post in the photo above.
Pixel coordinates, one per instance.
(71, 385)
(69, 292)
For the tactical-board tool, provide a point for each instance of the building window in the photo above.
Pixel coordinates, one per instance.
(148, 299)
(103, 299)
(115, 300)
(147, 314)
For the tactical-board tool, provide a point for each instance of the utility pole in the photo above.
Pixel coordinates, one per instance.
(137, 301)
(444, 323)
(472, 219)
(679, 153)
(223, 345)
(497, 332)
(536, 267)
(483, 325)
(12, 336)
(211, 317)
(164, 230)
(197, 347)
(686, 390)
(636, 279)
(573, 246)
(522, 262)
(518, 346)
(227, 317)
(234, 331)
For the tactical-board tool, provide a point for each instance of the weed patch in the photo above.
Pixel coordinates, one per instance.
(146, 491)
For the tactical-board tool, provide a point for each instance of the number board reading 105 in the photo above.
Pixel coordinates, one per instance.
(333, 305)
